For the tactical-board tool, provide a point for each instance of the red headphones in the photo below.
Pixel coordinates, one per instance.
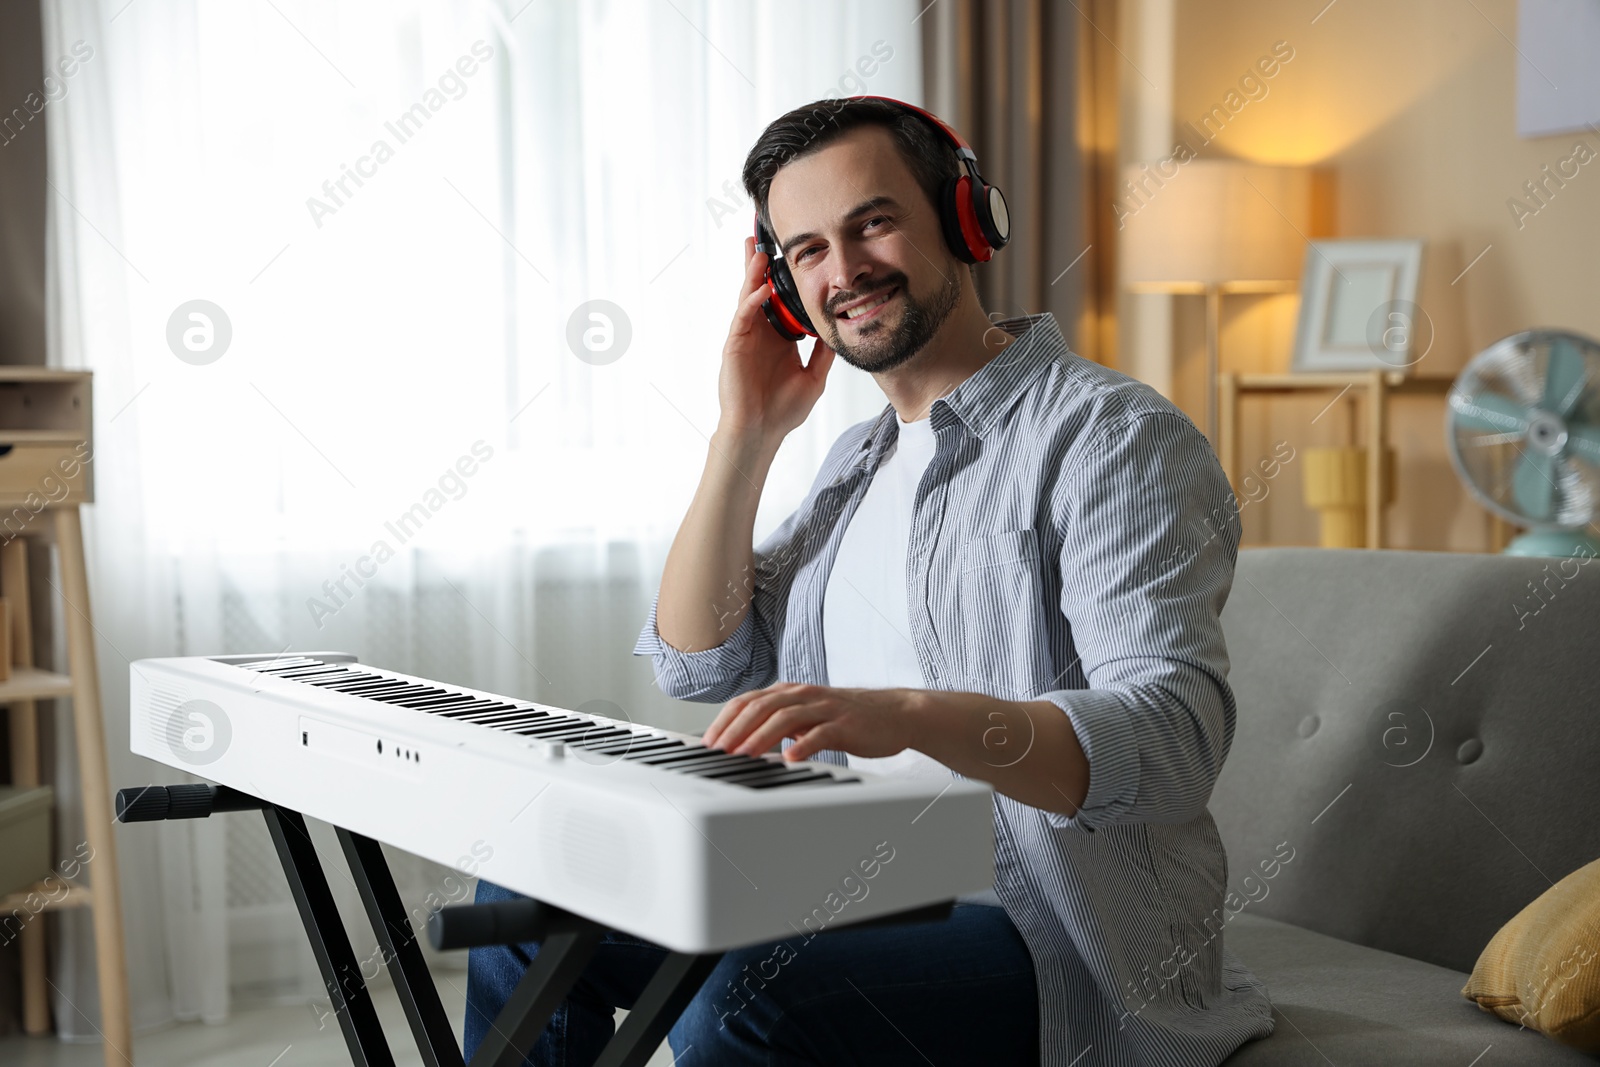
(972, 214)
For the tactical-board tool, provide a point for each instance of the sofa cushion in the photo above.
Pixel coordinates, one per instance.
(1420, 728)
(1336, 1002)
(1537, 970)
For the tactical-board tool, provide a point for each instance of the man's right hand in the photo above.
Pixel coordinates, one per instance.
(763, 388)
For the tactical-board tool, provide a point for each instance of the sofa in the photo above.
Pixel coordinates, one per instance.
(1419, 733)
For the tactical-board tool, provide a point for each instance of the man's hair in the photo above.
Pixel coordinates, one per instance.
(807, 129)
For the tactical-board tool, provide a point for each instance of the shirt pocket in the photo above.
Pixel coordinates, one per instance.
(1003, 631)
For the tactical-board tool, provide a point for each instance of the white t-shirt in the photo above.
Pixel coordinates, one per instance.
(866, 621)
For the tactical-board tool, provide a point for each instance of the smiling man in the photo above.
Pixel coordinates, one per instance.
(1014, 574)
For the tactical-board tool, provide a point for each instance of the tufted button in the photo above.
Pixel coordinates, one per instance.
(1308, 726)
(1469, 751)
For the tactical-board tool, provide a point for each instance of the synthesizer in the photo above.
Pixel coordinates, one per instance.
(645, 830)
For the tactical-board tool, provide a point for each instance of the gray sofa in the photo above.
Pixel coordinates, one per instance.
(1424, 734)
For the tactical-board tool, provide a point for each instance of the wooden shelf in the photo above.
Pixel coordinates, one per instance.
(1393, 382)
(31, 683)
(17, 372)
(76, 896)
(1377, 386)
(40, 437)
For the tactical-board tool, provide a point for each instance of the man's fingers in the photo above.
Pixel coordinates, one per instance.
(720, 723)
(811, 741)
(725, 728)
(749, 313)
(755, 268)
(756, 706)
(730, 711)
(740, 716)
(785, 722)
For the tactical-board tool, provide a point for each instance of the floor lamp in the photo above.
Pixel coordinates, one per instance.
(1212, 228)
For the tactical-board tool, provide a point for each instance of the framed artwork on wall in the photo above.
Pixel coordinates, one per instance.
(1357, 306)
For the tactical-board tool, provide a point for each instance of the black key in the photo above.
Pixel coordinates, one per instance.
(404, 690)
(710, 763)
(368, 692)
(470, 705)
(510, 721)
(552, 719)
(415, 692)
(642, 744)
(605, 734)
(797, 777)
(697, 753)
(432, 696)
(738, 771)
(391, 686)
(563, 736)
(271, 666)
(480, 712)
(602, 738)
(486, 707)
(561, 726)
(700, 755)
(581, 730)
(349, 679)
(664, 750)
(715, 769)
(309, 672)
(681, 751)
(759, 777)
(501, 719)
(440, 702)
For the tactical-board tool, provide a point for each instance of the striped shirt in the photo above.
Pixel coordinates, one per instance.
(1073, 541)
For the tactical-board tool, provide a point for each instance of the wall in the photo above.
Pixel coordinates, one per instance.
(1412, 107)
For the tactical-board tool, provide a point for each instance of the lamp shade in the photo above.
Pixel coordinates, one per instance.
(1213, 223)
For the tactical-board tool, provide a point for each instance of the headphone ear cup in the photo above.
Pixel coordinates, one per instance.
(994, 217)
(789, 308)
(950, 220)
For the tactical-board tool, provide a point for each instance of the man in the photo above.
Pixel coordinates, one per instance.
(1013, 573)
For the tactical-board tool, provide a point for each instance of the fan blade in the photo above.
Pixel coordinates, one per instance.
(1489, 411)
(1564, 377)
(1533, 486)
(1584, 442)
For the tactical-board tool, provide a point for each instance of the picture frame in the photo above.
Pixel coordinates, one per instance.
(1358, 307)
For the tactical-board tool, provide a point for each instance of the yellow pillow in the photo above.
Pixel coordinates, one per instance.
(1542, 969)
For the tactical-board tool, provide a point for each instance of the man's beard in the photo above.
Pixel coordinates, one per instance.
(877, 347)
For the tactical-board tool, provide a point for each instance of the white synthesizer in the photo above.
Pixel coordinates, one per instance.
(644, 830)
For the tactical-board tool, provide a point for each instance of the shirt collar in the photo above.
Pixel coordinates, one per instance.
(988, 393)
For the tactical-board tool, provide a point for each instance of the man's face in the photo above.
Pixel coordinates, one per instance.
(856, 228)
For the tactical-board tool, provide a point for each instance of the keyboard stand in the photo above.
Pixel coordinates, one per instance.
(567, 942)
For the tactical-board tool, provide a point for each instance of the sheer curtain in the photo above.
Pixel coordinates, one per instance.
(399, 425)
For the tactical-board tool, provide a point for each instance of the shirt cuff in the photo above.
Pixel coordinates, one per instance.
(709, 675)
(1105, 733)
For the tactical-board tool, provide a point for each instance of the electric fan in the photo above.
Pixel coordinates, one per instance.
(1523, 429)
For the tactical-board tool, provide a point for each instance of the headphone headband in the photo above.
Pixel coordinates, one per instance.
(957, 142)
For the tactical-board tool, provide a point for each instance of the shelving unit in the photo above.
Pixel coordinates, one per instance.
(1377, 386)
(46, 431)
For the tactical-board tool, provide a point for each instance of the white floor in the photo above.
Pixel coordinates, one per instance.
(284, 1036)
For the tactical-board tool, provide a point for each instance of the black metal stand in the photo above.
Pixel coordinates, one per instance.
(398, 942)
(566, 944)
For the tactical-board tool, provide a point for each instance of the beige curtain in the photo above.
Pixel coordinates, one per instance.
(22, 185)
(1030, 85)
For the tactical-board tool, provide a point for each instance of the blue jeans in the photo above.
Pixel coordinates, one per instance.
(956, 992)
